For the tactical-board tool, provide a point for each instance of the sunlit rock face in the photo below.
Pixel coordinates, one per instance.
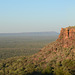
(67, 36)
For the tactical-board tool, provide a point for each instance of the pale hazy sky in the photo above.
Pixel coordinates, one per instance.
(36, 15)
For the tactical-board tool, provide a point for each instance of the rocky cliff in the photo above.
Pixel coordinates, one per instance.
(67, 36)
(62, 48)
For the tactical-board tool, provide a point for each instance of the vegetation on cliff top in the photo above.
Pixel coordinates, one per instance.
(71, 27)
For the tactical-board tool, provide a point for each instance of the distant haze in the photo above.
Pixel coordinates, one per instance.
(52, 33)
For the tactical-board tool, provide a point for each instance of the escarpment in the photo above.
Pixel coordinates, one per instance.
(67, 36)
(56, 58)
(62, 48)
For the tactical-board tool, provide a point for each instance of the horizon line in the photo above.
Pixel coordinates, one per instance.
(26, 32)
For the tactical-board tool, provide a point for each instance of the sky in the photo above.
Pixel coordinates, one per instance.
(36, 15)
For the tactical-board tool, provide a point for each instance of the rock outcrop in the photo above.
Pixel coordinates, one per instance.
(67, 36)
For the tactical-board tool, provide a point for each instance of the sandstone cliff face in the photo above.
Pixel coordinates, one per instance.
(67, 36)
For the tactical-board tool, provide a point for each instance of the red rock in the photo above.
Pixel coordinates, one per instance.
(67, 36)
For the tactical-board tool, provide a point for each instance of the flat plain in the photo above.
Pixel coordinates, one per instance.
(11, 46)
